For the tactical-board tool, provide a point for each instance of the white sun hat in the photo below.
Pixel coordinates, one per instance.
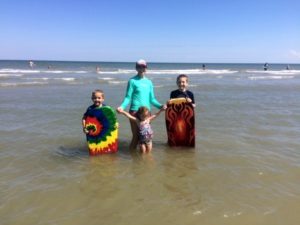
(141, 62)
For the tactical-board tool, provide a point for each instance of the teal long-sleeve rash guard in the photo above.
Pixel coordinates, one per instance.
(140, 92)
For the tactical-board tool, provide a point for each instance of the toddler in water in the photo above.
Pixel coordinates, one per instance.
(98, 99)
(182, 91)
(145, 133)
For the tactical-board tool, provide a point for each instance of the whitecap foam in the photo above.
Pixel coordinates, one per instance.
(65, 78)
(117, 82)
(55, 71)
(270, 77)
(63, 71)
(192, 71)
(15, 71)
(275, 72)
(11, 75)
(106, 78)
(159, 86)
(180, 71)
(119, 71)
(222, 71)
(22, 84)
(37, 78)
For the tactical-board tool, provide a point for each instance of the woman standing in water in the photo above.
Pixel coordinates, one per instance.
(139, 92)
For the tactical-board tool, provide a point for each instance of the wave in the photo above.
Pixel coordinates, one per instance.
(27, 71)
(10, 75)
(65, 78)
(124, 71)
(270, 77)
(275, 72)
(62, 71)
(192, 71)
(38, 78)
(119, 71)
(117, 82)
(106, 78)
(181, 71)
(22, 84)
(16, 71)
(47, 78)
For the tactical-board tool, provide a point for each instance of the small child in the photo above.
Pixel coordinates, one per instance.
(182, 92)
(145, 133)
(98, 99)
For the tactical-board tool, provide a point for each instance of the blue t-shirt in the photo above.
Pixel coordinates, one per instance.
(89, 109)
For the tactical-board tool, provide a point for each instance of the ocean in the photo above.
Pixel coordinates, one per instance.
(245, 168)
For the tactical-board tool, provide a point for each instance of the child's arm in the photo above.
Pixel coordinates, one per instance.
(128, 115)
(86, 131)
(189, 100)
(156, 114)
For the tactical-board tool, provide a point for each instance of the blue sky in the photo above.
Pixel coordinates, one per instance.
(158, 30)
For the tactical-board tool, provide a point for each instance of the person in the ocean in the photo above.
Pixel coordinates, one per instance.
(140, 92)
(31, 64)
(97, 69)
(98, 99)
(143, 119)
(266, 66)
(203, 66)
(182, 91)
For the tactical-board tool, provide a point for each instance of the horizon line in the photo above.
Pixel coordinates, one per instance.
(170, 62)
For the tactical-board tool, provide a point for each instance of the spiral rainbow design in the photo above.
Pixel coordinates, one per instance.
(180, 123)
(103, 132)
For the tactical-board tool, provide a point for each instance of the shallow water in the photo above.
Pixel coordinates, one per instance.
(245, 168)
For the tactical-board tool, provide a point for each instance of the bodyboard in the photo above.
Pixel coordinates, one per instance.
(180, 123)
(103, 131)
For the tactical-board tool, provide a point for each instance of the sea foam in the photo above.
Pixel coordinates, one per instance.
(275, 72)
(270, 77)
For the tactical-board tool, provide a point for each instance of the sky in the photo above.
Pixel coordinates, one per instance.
(204, 31)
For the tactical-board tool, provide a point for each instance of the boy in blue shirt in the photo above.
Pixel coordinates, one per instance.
(182, 91)
(98, 99)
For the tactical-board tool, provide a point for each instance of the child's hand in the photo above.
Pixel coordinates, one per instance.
(188, 100)
(85, 130)
(120, 110)
(116, 126)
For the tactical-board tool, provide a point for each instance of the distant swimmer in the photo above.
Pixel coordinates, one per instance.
(97, 69)
(288, 67)
(203, 66)
(31, 64)
(266, 66)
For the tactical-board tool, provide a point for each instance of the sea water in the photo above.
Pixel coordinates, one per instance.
(245, 168)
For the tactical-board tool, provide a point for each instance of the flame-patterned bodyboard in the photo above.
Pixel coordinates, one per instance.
(180, 123)
(103, 131)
